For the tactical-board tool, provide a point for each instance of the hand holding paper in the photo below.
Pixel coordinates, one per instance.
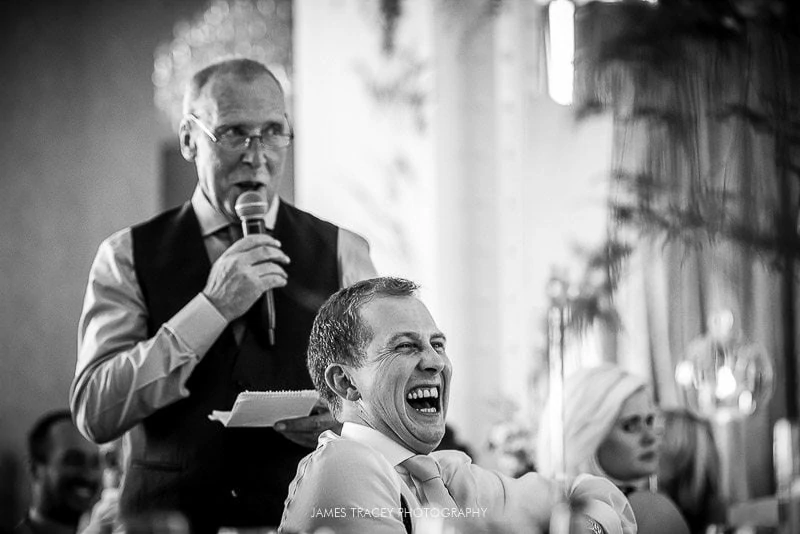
(306, 430)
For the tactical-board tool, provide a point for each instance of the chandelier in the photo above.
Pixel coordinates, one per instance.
(259, 30)
(724, 376)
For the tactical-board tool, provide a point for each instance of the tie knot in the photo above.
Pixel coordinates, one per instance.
(422, 467)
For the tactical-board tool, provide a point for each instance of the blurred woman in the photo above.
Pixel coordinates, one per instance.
(611, 429)
(689, 469)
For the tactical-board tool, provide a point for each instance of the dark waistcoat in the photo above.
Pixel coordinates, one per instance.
(179, 460)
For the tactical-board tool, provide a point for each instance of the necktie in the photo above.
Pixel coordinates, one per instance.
(426, 471)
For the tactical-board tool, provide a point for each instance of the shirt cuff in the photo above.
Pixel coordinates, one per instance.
(198, 324)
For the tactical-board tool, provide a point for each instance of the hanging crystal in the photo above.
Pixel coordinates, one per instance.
(724, 376)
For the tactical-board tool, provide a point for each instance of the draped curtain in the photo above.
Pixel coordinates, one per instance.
(704, 184)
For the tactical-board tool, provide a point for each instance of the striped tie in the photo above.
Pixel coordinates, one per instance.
(426, 471)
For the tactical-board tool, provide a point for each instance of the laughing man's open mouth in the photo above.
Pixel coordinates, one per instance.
(425, 399)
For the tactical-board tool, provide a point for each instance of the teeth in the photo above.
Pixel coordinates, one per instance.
(423, 393)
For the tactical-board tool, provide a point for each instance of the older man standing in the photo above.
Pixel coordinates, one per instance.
(172, 326)
(378, 358)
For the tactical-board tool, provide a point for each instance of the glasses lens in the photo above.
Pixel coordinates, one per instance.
(276, 140)
(232, 141)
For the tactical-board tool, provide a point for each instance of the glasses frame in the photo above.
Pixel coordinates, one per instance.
(248, 140)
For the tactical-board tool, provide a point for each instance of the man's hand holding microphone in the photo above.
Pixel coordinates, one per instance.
(249, 268)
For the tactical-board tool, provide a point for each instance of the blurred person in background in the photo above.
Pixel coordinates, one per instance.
(611, 428)
(689, 469)
(66, 476)
(104, 516)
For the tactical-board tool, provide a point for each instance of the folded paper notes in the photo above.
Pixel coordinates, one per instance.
(264, 408)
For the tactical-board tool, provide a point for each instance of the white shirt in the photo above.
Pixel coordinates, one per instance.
(352, 484)
(394, 453)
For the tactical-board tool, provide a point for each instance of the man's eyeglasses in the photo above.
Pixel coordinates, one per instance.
(234, 138)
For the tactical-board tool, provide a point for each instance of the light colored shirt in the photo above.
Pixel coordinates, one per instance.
(353, 483)
(123, 375)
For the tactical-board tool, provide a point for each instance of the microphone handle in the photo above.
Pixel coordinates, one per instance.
(256, 225)
(269, 306)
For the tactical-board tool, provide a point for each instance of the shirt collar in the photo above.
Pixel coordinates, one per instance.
(211, 220)
(390, 449)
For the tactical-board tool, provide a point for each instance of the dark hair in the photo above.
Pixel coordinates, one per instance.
(338, 334)
(246, 70)
(39, 435)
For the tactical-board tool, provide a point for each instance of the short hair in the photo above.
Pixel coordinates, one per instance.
(246, 70)
(339, 335)
(39, 436)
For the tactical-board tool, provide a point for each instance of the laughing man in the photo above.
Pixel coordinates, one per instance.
(379, 360)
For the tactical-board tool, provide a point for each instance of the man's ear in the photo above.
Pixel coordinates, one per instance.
(340, 382)
(187, 143)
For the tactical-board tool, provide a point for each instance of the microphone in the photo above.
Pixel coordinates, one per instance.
(251, 207)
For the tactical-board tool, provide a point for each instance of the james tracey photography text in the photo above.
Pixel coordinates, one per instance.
(388, 512)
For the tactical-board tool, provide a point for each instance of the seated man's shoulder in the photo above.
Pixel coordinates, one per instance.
(336, 483)
(348, 450)
(342, 459)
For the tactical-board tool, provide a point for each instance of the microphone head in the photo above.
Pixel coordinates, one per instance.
(250, 204)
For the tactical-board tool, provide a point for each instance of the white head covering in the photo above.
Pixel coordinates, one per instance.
(593, 398)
